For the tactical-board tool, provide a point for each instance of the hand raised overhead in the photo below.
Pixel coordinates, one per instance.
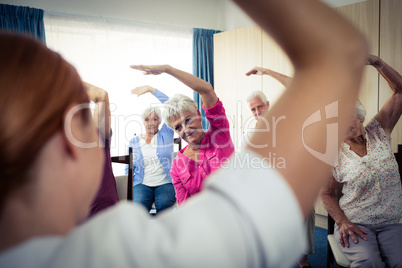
(150, 69)
(142, 90)
(256, 70)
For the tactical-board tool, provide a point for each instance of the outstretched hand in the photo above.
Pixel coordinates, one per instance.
(352, 230)
(256, 70)
(142, 90)
(150, 69)
(371, 59)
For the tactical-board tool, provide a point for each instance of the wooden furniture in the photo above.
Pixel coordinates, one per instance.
(239, 50)
(128, 160)
(124, 184)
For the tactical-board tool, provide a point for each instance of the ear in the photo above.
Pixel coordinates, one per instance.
(198, 112)
(268, 104)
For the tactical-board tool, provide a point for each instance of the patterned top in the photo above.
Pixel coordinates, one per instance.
(372, 191)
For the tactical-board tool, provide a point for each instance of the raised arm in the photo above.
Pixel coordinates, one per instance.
(331, 204)
(200, 86)
(390, 113)
(281, 78)
(148, 89)
(102, 108)
(327, 79)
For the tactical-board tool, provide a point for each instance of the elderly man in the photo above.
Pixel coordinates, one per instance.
(258, 104)
(257, 100)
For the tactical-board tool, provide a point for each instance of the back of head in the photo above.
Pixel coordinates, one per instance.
(256, 94)
(175, 106)
(37, 87)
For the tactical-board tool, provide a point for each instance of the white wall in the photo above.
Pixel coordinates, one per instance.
(209, 14)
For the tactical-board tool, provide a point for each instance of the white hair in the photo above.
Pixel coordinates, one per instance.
(150, 110)
(257, 94)
(175, 106)
(360, 110)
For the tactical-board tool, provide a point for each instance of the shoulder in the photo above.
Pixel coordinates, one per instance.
(374, 128)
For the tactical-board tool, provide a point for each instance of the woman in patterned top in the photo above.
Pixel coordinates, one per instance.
(371, 205)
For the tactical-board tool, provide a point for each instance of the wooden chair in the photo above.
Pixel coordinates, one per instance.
(178, 142)
(124, 184)
(334, 253)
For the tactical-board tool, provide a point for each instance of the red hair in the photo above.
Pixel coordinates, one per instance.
(36, 89)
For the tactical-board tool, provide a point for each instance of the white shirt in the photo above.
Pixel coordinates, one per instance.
(245, 217)
(154, 175)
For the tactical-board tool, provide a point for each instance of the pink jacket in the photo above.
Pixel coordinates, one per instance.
(216, 147)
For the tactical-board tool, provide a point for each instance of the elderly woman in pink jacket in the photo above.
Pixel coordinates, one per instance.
(206, 150)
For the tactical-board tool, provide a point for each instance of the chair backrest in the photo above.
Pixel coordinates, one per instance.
(124, 184)
(398, 157)
(333, 252)
(178, 142)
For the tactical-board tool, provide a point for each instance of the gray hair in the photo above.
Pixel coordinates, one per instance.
(175, 106)
(149, 110)
(360, 110)
(257, 94)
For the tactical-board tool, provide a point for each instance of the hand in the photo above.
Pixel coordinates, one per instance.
(150, 69)
(256, 70)
(95, 94)
(371, 59)
(349, 229)
(142, 90)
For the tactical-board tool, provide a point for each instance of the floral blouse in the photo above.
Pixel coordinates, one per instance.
(372, 191)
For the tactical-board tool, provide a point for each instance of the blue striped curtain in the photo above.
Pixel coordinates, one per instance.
(22, 20)
(203, 62)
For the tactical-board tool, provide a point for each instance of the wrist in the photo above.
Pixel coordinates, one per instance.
(167, 69)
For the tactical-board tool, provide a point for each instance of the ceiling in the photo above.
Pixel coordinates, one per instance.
(212, 14)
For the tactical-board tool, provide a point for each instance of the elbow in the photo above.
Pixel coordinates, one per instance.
(207, 88)
(356, 50)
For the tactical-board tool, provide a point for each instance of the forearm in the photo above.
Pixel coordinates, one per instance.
(162, 97)
(331, 204)
(200, 86)
(281, 78)
(393, 78)
(102, 115)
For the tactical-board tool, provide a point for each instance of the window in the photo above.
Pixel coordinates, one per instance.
(102, 50)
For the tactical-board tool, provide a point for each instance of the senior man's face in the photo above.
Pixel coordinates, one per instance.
(188, 126)
(257, 107)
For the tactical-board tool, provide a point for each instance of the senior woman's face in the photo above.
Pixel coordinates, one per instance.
(188, 126)
(355, 128)
(151, 123)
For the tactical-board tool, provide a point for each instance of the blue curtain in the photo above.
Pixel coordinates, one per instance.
(22, 20)
(203, 62)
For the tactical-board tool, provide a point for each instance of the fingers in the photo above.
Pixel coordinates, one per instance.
(137, 67)
(354, 237)
(252, 71)
(344, 240)
(362, 234)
